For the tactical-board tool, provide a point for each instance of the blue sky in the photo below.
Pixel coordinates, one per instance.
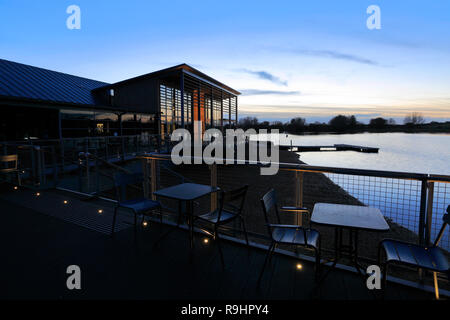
(313, 59)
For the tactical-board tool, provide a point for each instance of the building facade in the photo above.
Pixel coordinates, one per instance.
(37, 103)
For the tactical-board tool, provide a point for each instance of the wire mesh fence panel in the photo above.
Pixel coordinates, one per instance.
(441, 200)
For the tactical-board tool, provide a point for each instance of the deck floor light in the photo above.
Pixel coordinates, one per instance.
(145, 224)
(38, 194)
(206, 241)
(65, 202)
(299, 266)
(100, 211)
(15, 188)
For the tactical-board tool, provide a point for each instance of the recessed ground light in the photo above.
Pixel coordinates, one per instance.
(299, 266)
(65, 202)
(100, 211)
(144, 224)
(38, 194)
(206, 240)
(15, 188)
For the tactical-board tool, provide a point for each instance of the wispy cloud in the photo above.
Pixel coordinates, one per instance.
(256, 92)
(265, 76)
(336, 55)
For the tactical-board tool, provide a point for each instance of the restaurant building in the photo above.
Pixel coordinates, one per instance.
(37, 103)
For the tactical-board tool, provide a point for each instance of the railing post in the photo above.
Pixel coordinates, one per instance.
(123, 147)
(154, 177)
(146, 177)
(213, 169)
(88, 183)
(55, 166)
(429, 222)
(38, 165)
(423, 208)
(299, 195)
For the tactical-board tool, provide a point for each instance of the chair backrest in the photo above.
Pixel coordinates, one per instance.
(446, 221)
(229, 198)
(269, 203)
(6, 161)
(122, 180)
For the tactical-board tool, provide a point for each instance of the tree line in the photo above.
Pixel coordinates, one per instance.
(341, 123)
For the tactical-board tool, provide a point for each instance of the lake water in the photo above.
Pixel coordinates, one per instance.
(420, 153)
(397, 199)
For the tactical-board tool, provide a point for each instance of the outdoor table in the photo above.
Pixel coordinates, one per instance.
(352, 218)
(187, 192)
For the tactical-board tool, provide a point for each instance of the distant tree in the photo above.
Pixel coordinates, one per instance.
(414, 119)
(352, 123)
(378, 123)
(340, 123)
(391, 121)
(248, 122)
(277, 125)
(296, 125)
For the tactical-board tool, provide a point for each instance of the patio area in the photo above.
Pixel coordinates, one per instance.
(39, 247)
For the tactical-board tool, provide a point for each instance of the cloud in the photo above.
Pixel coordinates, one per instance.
(257, 92)
(265, 76)
(336, 55)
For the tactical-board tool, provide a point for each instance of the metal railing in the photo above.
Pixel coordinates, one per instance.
(413, 203)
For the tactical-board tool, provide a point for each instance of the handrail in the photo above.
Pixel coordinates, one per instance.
(322, 169)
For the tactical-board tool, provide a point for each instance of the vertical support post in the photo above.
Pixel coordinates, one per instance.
(429, 222)
(423, 208)
(153, 177)
(213, 170)
(299, 195)
(235, 124)
(221, 111)
(182, 98)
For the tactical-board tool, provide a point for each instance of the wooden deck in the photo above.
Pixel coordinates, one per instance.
(39, 247)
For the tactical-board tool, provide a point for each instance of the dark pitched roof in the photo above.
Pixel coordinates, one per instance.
(186, 68)
(27, 82)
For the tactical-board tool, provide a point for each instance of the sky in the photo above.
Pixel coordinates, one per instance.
(311, 59)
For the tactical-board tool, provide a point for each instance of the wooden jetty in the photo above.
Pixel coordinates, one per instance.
(335, 147)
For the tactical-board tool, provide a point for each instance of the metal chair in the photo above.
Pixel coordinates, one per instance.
(138, 205)
(6, 167)
(288, 234)
(427, 258)
(231, 205)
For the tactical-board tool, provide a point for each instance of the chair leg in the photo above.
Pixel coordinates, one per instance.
(114, 221)
(245, 230)
(265, 262)
(436, 287)
(160, 215)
